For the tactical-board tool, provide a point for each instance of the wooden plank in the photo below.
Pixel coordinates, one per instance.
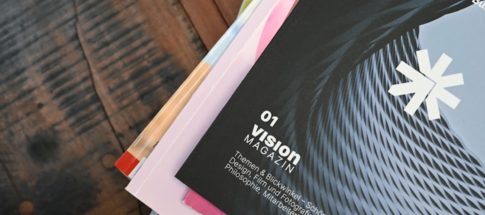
(207, 20)
(173, 31)
(138, 57)
(79, 80)
(228, 9)
(9, 196)
(53, 128)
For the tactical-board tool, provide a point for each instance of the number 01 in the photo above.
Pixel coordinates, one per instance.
(266, 116)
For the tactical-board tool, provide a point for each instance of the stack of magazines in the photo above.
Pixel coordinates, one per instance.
(325, 107)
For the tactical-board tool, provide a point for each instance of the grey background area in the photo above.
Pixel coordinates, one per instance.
(461, 36)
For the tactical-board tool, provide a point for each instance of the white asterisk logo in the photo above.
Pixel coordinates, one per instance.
(430, 87)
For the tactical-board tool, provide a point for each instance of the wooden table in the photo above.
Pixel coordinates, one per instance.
(79, 80)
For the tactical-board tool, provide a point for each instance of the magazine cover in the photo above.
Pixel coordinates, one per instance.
(355, 107)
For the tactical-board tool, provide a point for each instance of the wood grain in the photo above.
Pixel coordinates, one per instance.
(228, 9)
(79, 80)
(9, 196)
(136, 63)
(52, 117)
(207, 20)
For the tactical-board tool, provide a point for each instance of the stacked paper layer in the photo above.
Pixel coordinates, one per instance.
(197, 102)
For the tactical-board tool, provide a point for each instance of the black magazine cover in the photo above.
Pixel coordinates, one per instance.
(355, 107)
